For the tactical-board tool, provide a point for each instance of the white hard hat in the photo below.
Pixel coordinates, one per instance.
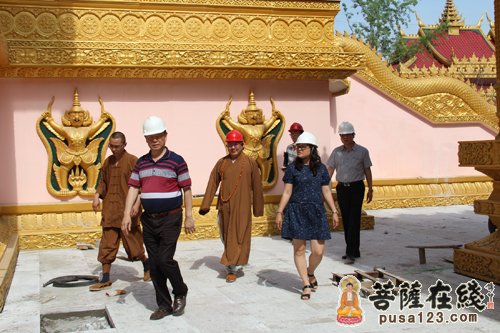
(153, 125)
(307, 138)
(346, 128)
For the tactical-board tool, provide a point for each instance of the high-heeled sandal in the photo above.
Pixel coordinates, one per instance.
(306, 297)
(313, 284)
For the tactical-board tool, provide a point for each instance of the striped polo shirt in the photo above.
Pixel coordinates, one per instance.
(350, 165)
(160, 182)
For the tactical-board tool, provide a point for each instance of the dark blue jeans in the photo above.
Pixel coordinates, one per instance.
(160, 238)
(350, 202)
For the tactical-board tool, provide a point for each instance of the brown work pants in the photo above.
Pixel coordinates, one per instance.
(110, 243)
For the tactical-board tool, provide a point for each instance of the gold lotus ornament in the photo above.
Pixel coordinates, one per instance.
(75, 148)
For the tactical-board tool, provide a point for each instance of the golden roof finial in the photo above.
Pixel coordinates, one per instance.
(478, 24)
(492, 23)
(252, 106)
(76, 103)
(419, 20)
(451, 15)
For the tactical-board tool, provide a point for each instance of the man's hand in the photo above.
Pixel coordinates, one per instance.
(369, 196)
(189, 227)
(203, 211)
(126, 223)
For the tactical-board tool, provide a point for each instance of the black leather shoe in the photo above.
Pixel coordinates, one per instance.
(344, 257)
(179, 305)
(160, 313)
(349, 261)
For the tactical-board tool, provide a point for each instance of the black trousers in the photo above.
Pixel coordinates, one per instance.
(160, 238)
(350, 202)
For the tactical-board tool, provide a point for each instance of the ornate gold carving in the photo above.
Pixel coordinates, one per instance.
(435, 96)
(203, 37)
(62, 225)
(8, 260)
(175, 73)
(261, 136)
(478, 153)
(75, 149)
(405, 193)
(477, 264)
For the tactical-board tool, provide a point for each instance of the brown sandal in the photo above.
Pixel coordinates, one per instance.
(303, 296)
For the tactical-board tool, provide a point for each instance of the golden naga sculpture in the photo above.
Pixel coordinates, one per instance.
(436, 96)
(260, 136)
(75, 148)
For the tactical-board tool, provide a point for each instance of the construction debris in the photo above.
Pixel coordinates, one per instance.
(367, 279)
(421, 250)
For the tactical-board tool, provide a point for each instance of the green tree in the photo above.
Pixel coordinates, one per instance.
(379, 23)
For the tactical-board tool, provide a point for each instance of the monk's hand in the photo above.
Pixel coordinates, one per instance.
(95, 204)
(203, 211)
(189, 227)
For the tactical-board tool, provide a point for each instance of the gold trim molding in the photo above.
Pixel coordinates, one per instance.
(65, 224)
(174, 39)
(405, 193)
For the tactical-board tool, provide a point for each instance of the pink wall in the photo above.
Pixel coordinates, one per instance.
(189, 108)
(401, 143)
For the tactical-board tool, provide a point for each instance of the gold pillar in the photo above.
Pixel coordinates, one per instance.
(481, 259)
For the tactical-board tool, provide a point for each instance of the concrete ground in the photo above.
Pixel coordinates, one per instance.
(267, 297)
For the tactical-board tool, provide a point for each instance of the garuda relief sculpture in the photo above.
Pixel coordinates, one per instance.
(74, 148)
(260, 136)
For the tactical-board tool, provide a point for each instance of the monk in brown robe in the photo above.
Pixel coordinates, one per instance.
(240, 188)
(113, 189)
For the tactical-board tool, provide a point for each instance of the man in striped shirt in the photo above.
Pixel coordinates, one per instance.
(162, 177)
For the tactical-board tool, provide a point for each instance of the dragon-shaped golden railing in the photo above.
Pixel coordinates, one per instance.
(435, 95)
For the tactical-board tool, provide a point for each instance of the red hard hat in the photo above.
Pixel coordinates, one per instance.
(296, 127)
(234, 136)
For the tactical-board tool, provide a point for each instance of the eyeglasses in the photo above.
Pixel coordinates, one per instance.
(301, 147)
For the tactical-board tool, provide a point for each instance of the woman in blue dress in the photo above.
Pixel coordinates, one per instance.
(301, 214)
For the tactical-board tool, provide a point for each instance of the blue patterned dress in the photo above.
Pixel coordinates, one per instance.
(304, 215)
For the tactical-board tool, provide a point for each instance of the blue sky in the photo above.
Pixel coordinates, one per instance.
(430, 11)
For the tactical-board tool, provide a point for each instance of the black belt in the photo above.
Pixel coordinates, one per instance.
(350, 184)
(163, 214)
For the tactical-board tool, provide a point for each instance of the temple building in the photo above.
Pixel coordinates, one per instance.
(462, 51)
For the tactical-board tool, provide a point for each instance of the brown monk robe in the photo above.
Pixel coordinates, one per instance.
(240, 187)
(113, 189)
